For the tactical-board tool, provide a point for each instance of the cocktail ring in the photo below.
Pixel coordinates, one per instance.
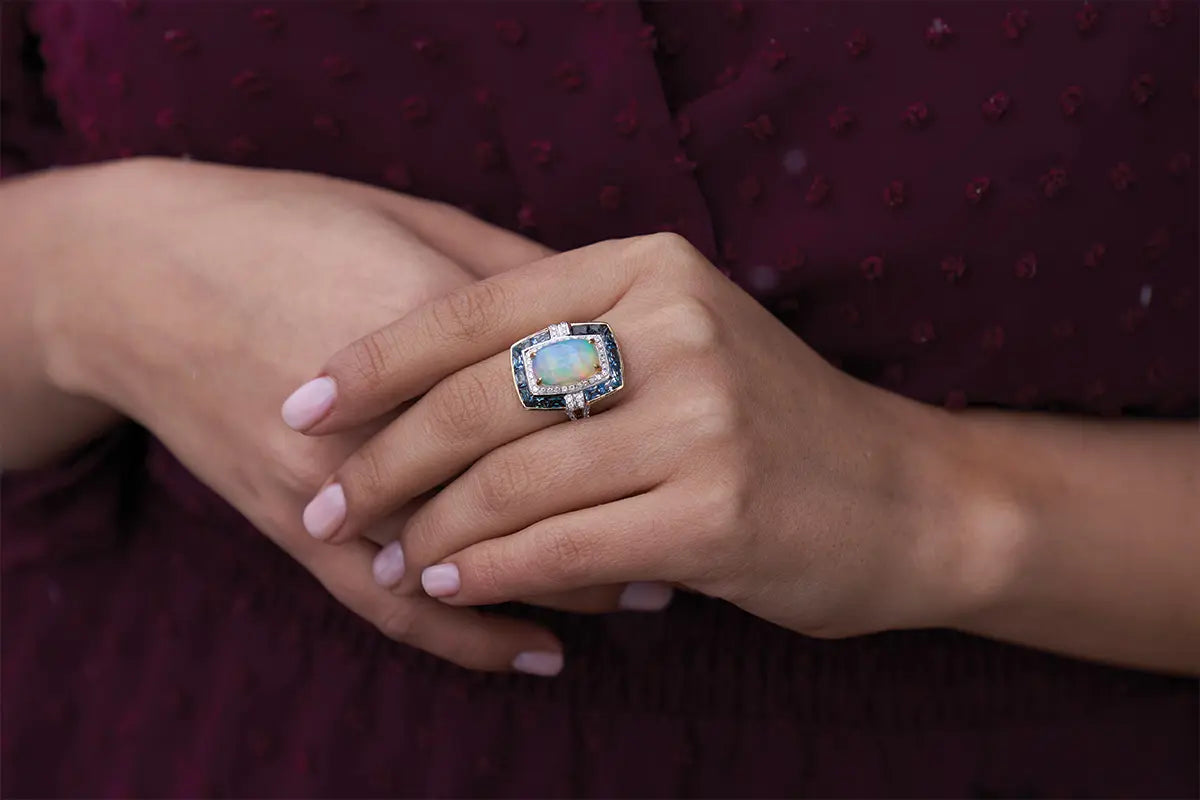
(567, 366)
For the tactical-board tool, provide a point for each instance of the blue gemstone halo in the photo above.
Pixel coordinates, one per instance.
(569, 397)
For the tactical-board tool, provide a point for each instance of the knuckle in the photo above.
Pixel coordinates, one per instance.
(714, 414)
(371, 358)
(397, 621)
(562, 554)
(471, 312)
(365, 474)
(690, 324)
(461, 409)
(503, 481)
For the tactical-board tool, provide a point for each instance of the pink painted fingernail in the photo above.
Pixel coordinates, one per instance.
(539, 662)
(440, 580)
(646, 596)
(309, 403)
(388, 566)
(326, 512)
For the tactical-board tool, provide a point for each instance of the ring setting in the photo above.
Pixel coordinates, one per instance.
(567, 366)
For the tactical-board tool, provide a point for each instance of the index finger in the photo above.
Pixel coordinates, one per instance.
(404, 359)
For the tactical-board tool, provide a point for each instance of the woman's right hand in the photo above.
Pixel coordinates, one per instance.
(193, 298)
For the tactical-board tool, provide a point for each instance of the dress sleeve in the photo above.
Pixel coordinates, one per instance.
(30, 133)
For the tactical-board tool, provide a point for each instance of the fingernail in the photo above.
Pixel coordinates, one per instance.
(440, 580)
(309, 403)
(646, 596)
(326, 512)
(539, 662)
(388, 566)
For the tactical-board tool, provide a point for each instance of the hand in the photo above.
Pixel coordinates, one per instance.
(192, 297)
(735, 461)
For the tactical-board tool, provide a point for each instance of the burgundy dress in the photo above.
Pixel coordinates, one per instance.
(970, 204)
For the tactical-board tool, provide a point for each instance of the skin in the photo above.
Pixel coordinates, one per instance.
(739, 464)
(197, 302)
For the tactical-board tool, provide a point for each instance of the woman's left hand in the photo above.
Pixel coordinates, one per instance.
(735, 462)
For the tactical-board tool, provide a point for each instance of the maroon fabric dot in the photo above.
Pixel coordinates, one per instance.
(1181, 298)
(1161, 13)
(1087, 18)
(750, 189)
(525, 217)
(727, 76)
(858, 45)
(397, 176)
(610, 197)
(180, 41)
(1053, 182)
(1157, 371)
(414, 109)
(268, 19)
(1026, 266)
(168, 119)
(1063, 329)
(895, 194)
(996, 106)
(89, 126)
(1070, 100)
(484, 97)
(921, 332)
(850, 314)
(250, 83)
(938, 32)
(916, 115)
(793, 258)
(761, 127)
(1131, 319)
(818, 191)
(993, 338)
(977, 189)
(736, 14)
(894, 374)
(132, 8)
(1180, 164)
(119, 83)
(626, 120)
(956, 399)
(647, 38)
(541, 152)
(1094, 257)
(510, 31)
(774, 55)
(337, 67)
(1122, 176)
(327, 125)
(683, 126)
(1142, 89)
(729, 251)
(1014, 24)
(683, 163)
(871, 268)
(953, 268)
(569, 76)
(82, 50)
(595, 7)
(487, 155)
(1156, 245)
(428, 48)
(841, 120)
(242, 147)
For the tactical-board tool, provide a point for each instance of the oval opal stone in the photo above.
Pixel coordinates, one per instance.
(566, 362)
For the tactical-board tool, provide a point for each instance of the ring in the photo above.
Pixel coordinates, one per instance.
(567, 366)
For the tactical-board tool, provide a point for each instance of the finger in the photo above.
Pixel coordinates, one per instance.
(563, 468)
(481, 247)
(640, 596)
(469, 639)
(406, 358)
(637, 539)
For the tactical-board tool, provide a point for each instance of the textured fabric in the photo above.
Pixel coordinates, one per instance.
(983, 204)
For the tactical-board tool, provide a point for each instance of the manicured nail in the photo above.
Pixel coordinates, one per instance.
(309, 403)
(539, 662)
(388, 566)
(440, 580)
(326, 512)
(646, 596)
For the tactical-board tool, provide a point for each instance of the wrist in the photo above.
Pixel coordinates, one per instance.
(972, 521)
